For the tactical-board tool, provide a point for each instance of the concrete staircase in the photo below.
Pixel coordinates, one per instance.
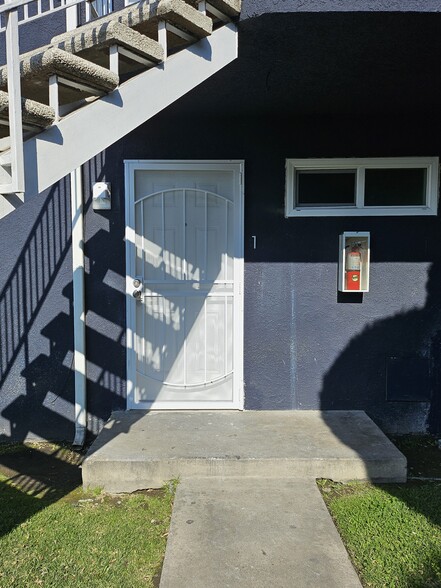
(91, 78)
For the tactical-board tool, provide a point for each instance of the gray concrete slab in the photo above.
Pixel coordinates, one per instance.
(140, 449)
(243, 533)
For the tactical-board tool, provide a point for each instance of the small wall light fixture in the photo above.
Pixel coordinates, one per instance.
(101, 196)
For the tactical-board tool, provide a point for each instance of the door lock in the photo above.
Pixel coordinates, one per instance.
(137, 283)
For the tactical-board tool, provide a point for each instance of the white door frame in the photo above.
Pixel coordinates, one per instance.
(237, 167)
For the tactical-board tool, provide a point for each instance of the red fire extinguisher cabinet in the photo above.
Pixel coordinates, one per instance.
(354, 261)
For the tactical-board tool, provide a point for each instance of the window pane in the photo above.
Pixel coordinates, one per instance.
(395, 187)
(326, 187)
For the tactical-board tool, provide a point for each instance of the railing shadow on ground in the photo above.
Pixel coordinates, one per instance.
(35, 477)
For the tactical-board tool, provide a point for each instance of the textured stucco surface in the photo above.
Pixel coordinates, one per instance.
(106, 34)
(36, 342)
(306, 346)
(33, 113)
(251, 8)
(42, 63)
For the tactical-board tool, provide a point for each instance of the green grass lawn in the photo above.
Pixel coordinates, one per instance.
(392, 532)
(53, 538)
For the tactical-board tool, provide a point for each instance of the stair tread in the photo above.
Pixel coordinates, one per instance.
(38, 65)
(33, 113)
(143, 17)
(101, 34)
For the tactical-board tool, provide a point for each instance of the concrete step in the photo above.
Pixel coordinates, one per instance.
(34, 114)
(144, 16)
(92, 42)
(37, 66)
(231, 533)
(140, 449)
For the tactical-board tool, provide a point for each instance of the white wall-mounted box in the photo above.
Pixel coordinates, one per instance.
(101, 196)
(354, 261)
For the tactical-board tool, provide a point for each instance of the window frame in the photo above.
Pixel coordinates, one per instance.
(431, 164)
(91, 6)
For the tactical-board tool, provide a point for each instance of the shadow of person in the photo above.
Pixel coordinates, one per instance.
(358, 380)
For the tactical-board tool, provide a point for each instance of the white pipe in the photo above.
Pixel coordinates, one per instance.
(79, 312)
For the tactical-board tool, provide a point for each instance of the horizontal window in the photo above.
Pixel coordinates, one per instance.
(351, 187)
(326, 187)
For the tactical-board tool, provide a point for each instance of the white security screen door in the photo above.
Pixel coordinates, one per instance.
(184, 284)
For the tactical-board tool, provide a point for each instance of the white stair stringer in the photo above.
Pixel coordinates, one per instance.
(80, 136)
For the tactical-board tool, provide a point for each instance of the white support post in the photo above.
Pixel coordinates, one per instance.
(202, 6)
(79, 312)
(88, 10)
(54, 96)
(162, 36)
(14, 97)
(114, 59)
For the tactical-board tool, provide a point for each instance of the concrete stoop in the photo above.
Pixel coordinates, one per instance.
(261, 533)
(142, 449)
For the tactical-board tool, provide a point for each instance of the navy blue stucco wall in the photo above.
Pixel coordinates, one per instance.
(36, 339)
(300, 88)
(306, 347)
(252, 8)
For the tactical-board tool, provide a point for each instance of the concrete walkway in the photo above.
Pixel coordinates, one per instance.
(247, 511)
(254, 533)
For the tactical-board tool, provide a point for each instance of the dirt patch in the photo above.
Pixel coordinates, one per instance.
(331, 490)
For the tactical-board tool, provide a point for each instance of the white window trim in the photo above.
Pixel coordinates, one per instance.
(106, 4)
(360, 165)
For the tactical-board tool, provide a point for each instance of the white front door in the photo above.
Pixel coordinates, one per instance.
(184, 285)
